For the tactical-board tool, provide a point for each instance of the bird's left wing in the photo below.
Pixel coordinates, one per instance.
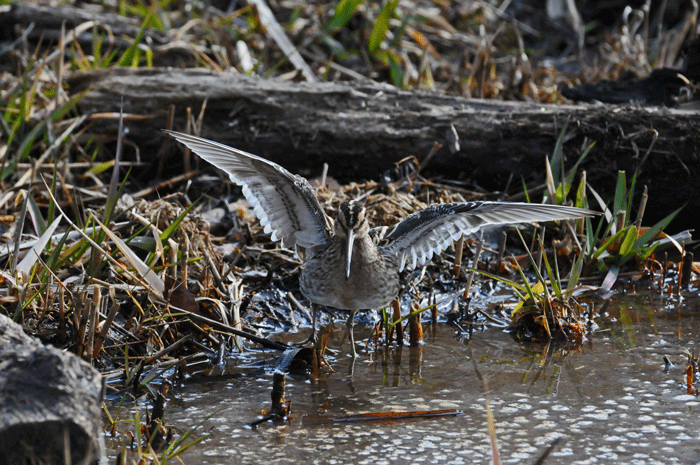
(430, 231)
(285, 203)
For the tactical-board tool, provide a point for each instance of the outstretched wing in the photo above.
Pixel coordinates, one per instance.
(285, 203)
(430, 231)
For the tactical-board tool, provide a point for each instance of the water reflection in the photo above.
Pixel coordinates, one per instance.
(612, 399)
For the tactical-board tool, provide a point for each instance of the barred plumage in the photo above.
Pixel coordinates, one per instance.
(348, 265)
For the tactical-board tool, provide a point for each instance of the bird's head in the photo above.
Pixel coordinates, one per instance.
(351, 223)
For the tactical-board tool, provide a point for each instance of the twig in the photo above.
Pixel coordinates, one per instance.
(170, 348)
(642, 207)
(257, 339)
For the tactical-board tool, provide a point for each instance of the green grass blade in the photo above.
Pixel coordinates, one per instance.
(525, 191)
(620, 194)
(519, 290)
(178, 446)
(532, 259)
(343, 13)
(574, 276)
(137, 428)
(557, 163)
(170, 230)
(654, 230)
(646, 253)
(581, 200)
(553, 278)
(605, 245)
(406, 317)
(396, 70)
(28, 141)
(381, 25)
(628, 241)
(53, 259)
(132, 53)
(16, 114)
(528, 288)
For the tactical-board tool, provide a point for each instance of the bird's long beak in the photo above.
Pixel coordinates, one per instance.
(348, 252)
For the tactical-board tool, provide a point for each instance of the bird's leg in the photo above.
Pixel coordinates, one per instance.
(312, 337)
(314, 313)
(314, 310)
(350, 324)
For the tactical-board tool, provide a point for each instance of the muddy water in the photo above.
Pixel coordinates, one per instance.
(611, 401)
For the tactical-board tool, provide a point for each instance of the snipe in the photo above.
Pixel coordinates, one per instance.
(348, 265)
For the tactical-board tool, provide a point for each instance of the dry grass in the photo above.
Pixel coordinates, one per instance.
(133, 280)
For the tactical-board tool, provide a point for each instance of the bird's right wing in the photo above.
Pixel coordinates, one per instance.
(285, 203)
(430, 231)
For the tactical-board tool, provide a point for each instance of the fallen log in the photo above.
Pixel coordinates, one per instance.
(49, 402)
(363, 128)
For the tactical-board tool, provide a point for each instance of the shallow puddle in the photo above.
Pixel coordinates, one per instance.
(612, 401)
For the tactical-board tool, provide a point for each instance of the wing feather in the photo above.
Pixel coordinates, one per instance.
(285, 203)
(416, 239)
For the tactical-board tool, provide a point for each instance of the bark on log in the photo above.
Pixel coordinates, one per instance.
(362, 128)
(49, 402)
